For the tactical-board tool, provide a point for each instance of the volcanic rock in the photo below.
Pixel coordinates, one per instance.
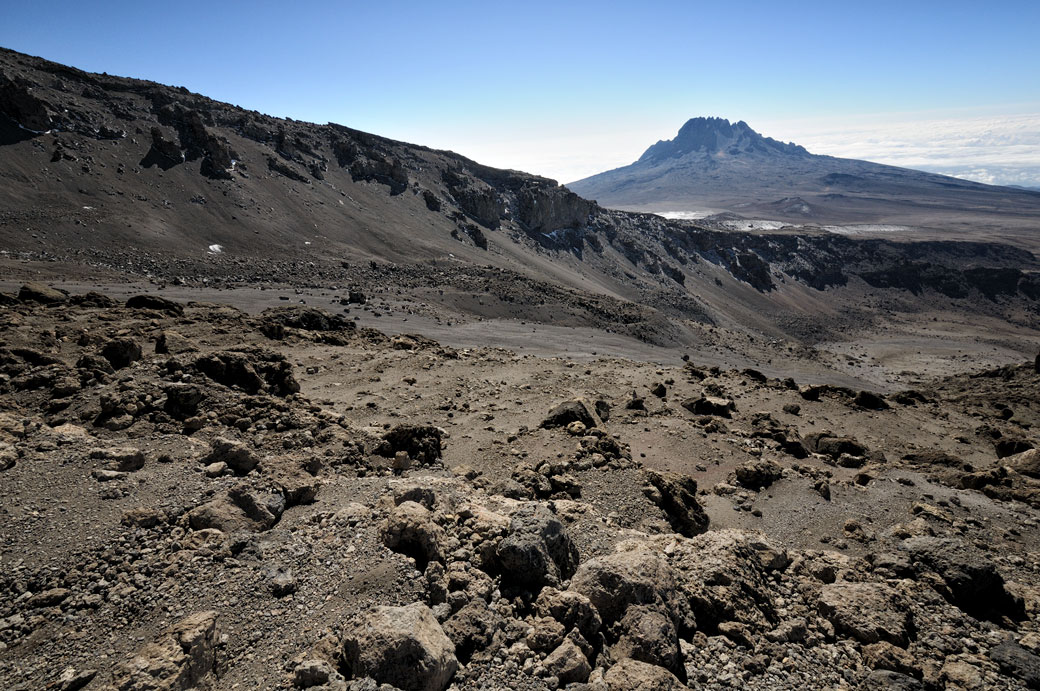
(401, 646)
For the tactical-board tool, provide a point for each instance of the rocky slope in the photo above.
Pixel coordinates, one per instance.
(715, 165)
(197, 498)
(134, 178)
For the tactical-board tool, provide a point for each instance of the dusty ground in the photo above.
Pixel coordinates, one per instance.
(97, 565)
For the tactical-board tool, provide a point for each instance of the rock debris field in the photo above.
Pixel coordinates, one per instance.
(194, 497)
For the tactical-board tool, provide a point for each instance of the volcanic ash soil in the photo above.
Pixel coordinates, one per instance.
(194, 497)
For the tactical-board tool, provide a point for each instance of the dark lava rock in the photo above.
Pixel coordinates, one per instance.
(307, 319)
(568, 412)
(1009, 447)
(829, 445)
(886, 680)
(1017, 662)
(677, 497)
(538, 551)
(422, 443)
(974, 583)
(709, 405)
(759, 474)
(182, 400)
(870, 400)
(120, 352)
(154, 302)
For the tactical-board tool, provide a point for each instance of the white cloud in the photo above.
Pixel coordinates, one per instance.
(994, 149)
(1003, 150)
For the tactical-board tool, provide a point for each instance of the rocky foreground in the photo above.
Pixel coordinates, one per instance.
(198, 498)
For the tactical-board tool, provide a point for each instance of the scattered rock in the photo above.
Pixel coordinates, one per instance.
(121, 352)
(234, 454)
(710, 405)
(410, 529)
(182, 657)
(154, 302)
(677, 497)
(38, 292)
(567, 412)
(401, 646)
(537, 551)
(868, 612)
(632, 675)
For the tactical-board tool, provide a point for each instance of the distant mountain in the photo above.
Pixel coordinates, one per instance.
(713, 165)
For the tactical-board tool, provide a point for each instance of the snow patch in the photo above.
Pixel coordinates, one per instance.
(216, 249)
(864, 228)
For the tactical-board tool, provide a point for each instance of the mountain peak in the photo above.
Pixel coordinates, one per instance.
(718, 136)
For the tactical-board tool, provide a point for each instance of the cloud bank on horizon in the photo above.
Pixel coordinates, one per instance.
(997, 150)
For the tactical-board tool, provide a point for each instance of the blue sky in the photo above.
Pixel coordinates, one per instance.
(568, 89)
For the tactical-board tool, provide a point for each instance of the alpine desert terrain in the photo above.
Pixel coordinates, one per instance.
(293, 406)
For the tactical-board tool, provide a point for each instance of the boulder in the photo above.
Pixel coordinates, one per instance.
(472, 628)
(758, 474)
(93, 299)
(635, 576)
(726, 576)
(1017, 662)
(173, 343)
(648, 635)
(870, 401)
(677, 496)
(154, 302)
(182, 656)
(828, 444)
(633, 675)
(577, 410)
(422, 443)
(126, 459)
(973, 581)
(573, 610)
(121, 352)
(310, 673)
(1010, 446)
(887, 680)
(410, 529)
(568, 663)
(38, 292)
(182, 400)
(537, 551)
(237, 455)
(401, 646)
(868, 612)
(1026, 463)
(710, 405)
(307, 318)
